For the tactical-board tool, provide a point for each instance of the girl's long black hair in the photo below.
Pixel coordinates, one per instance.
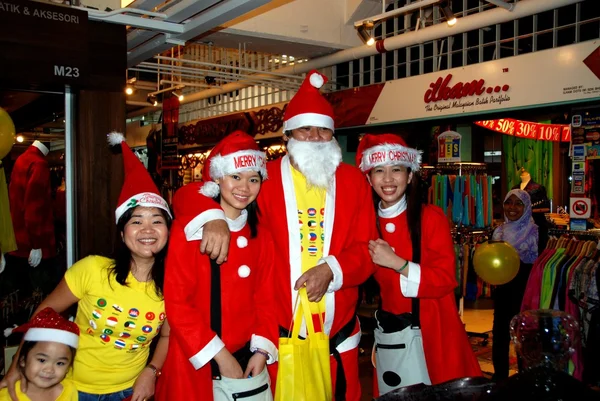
(122, 256)
(414, 204)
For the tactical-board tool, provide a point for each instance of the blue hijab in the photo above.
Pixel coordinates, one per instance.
(523, 233)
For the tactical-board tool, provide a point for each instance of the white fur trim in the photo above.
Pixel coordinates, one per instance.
(390, 154)
(210, 189)
(146, 199)
(308, 120)
(351, 342)
(243, 271)
(390, 227)
(41, 147)
(316, 80)
(241, 241)
(265, 344)
(243, 160)
(236, 225)
(115, 138)
(193, 229)
(393, 211)
(336, 269)
(410, 285)
(207, 353)
(54, 335)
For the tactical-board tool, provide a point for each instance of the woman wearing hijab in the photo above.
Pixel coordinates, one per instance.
(520, 231)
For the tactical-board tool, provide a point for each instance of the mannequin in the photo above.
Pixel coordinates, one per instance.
(31, 213)
(525, 178)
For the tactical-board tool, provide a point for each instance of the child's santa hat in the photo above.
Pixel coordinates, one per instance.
(308, 107)
(138, 188)
(386, 150)
(235, 153)
(49, 326)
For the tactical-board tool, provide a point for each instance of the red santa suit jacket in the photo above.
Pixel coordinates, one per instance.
(448, 352)
(31, 204)
(247, 305)
(345, 250)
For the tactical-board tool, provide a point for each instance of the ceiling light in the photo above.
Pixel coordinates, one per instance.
(365, 33)
(450, 18)
(20, 138)
(180, 97)
(129, 90)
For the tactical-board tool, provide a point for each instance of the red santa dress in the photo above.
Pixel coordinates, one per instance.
(247, 306)
(345, 249)
(31, 204)
(447, 349)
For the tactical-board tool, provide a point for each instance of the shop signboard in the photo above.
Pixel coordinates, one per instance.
(42, 45)
(528, 129)
(449, 147)
(504, 84)
(587, 132)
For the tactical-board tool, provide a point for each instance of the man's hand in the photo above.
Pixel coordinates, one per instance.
(10, 381)
(316, 280)
(228, 365)
(215, 240)
(35, 257)
(383, 255)
(256, 365)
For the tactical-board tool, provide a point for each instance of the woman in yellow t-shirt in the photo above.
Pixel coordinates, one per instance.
(46, 357)
(120, 306)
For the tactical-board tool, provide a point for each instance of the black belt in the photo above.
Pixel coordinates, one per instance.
(341, 336)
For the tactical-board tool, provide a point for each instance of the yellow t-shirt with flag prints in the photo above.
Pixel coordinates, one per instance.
(117, 325)
(311, 215)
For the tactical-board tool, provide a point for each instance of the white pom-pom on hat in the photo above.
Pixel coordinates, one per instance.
(115, 138)
(210, 189)
(8, 331)
(316, 80)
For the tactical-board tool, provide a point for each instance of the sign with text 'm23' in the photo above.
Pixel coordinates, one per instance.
(529, 130)
(42, 46)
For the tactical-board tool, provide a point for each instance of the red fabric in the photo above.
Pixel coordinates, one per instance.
(48, 319)
(247, 306)
(447, 349)
(531, 298)
(31, 205)
(353, 227)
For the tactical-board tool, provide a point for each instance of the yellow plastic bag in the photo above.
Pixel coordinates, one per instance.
(304, 373)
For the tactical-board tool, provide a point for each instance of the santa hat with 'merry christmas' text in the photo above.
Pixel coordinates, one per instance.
(138, 188)
(386, 150)
(235, 153)
(308, 107)
(49, 326)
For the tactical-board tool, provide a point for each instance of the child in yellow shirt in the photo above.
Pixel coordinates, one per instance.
(46, 356)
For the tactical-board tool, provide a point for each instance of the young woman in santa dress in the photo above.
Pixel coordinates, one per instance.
(391, 168)
(211, 359)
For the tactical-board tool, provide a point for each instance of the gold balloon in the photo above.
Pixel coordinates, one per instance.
(7, 133)
(496, 262)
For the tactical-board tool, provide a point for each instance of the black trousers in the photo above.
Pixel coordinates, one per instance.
(507, 304)
(18, 275)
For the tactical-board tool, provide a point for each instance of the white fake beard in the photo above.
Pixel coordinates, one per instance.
(317, 161)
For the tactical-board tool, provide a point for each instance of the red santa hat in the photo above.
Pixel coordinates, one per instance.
(235, 153)
(50, 326)
(308, 107)
(386, 150)
(138, 188)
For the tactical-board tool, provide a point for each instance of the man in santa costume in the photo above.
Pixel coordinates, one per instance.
(319, 212)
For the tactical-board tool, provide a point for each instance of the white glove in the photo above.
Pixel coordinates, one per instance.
(2, 263)
(35, 257)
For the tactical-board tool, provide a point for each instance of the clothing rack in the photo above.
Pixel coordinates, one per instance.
(591, 234)
(462, 236)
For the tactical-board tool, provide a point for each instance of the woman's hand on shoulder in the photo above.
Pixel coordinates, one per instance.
(10, 382)
(383, 254)
(144, 385)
